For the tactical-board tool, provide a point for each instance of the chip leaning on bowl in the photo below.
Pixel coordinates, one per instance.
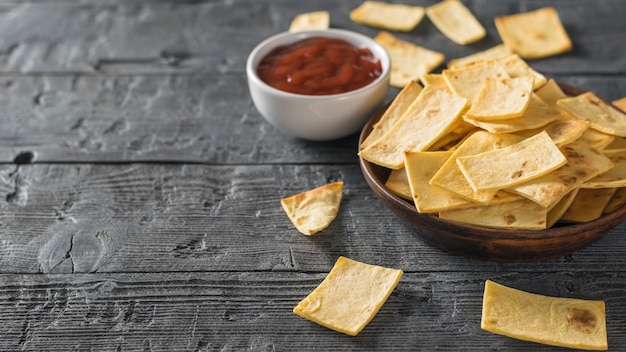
(541, 149)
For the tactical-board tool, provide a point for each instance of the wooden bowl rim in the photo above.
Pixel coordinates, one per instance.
(561, 230)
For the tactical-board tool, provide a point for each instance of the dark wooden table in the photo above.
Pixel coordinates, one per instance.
(141, 188)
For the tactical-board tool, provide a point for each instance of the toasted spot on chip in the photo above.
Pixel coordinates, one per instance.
(583, 163)
(556, 321)
(534, 34)
(408, 61)
(350, 296)
(313, 210)
(514, 213)
(512, 165)
(456, 21)
(613, 178)
(310, 21)
(397, 17)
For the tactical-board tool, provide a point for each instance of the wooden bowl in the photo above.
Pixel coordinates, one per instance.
(482, 242)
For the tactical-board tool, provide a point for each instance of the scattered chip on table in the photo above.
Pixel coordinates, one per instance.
(408, 61)
(456, 21)
(313, 210)
(350, 296)
(556, 321)
(396, 17)
(316, 20)
(535, 34)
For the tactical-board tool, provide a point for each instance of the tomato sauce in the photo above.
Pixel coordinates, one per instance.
(319, 66)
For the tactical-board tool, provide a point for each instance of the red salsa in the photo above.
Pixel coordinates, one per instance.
(319, 66)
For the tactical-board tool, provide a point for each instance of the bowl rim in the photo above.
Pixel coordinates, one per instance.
(561, 230)
(381, 54)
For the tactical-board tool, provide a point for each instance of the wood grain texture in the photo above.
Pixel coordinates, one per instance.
(140, 188)
(253, 312)
(83, 218)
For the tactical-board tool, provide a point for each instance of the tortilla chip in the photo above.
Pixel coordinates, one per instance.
(435, 80)
(420, 168)
(562, 132)
(310, 21)
(408, 61)
(431, 116)
(618, 144)
(603, 117)
(494, 52)
(556, 321)
(613, 178)
(502, 98)
(395, 17)
(616, 202)
(512, 165)
(398, 183)
(456, 21)
(588, 205)
(313, 210)
(535, 34)
(557, 211)
(537, 114)
(550, 93)
(350, 296)
(449, 175)
(597, 139)
(519, 214)
(394, 112)
(583, 164)
(620, 103)
(466, 81)
(516, 67)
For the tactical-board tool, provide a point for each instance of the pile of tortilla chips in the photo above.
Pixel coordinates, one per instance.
(492, 142)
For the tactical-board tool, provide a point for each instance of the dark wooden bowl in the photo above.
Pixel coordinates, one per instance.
(483, 242)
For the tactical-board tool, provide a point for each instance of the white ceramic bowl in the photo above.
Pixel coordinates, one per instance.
(317, 117)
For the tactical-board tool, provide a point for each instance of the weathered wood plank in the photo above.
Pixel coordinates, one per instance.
(146, 118)
(154, 218)
(143, 37)
(253, 312)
